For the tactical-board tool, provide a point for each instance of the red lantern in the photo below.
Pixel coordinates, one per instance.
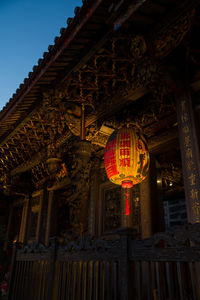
(126, 158)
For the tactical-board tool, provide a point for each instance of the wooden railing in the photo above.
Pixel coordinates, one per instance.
(165, 267)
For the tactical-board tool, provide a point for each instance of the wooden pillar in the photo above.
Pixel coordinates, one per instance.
(145, 208)
(94, 199)
(151, 204)
(9, 228)
(49, 217)
(22, 226)
(40, 217)
(83, 150)
(24, 229)
(158, 221)
(190, 155)
(126, 290)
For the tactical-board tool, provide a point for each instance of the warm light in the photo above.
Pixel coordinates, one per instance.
(126, 159)
(126, 156)
(127, 184)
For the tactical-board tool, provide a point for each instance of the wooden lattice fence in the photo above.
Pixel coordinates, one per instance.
(164, 267)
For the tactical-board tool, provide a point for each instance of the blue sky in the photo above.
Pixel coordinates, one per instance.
(27, 27)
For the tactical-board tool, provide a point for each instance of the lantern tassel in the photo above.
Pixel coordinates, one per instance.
(127, 203)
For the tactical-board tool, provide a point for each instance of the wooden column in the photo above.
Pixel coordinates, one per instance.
(190, 155)
(94, 199)
(125, 283)
(40, 217)
(49, 217)
(151, 204)
(145, 208)
(22, 226)
(23, 236)
(83, 150)
(9, 228)
(158, 221)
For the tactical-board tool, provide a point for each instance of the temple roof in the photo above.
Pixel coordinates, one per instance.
(96, 59)
(91, 26)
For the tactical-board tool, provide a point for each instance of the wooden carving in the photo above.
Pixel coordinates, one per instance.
(138, 48)
(77, 196)
(168, 39)
(124, 65)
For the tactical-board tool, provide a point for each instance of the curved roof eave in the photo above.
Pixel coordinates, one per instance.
(82, 15)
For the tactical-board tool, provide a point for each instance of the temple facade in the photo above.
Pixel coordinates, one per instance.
(116, 64)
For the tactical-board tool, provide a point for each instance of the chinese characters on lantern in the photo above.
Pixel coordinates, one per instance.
(124, 150)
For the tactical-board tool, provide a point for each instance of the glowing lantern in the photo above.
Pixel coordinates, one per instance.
(126, 159)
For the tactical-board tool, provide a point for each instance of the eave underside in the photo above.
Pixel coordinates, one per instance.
(96, 68)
